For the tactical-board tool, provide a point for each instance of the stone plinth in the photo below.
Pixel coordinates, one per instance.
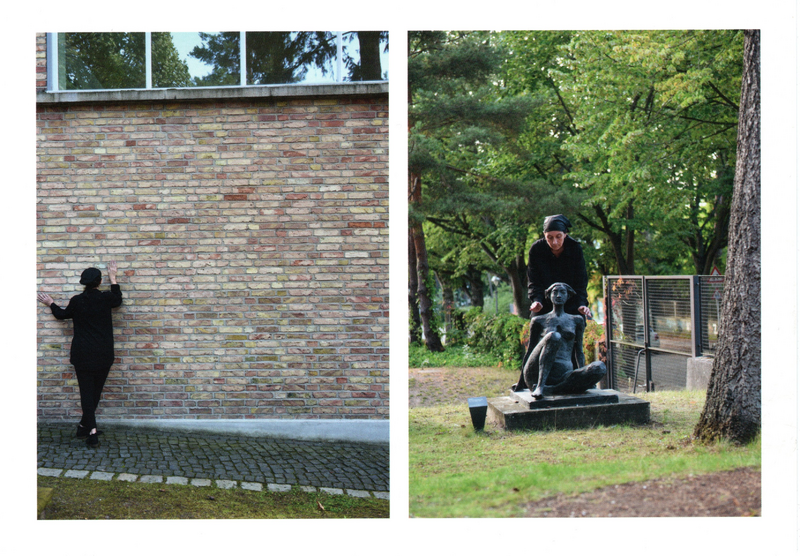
(515, 412)
(698, 372)
(590, 397)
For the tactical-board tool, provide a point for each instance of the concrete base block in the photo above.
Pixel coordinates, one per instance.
(590, 397)
(328, 430)
(698, 372)
(512, 414)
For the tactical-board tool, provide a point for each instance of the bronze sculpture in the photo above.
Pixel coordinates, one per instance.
(557, 365)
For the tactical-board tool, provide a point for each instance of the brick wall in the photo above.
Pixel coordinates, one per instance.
(41, 61)
(252, 244)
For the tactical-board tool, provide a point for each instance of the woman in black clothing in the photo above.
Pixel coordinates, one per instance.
(555, 258)
(92, 351)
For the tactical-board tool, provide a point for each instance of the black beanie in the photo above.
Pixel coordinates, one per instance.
(89, 276)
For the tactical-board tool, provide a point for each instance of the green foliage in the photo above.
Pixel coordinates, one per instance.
(168, 68)
(498, 335)
(102, 60)
(453, 356)
(594, 335)
(631, 134)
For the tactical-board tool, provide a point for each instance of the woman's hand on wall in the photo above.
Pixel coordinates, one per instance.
(44, 298)
(112, 271)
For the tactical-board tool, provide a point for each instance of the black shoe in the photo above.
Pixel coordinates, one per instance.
(92, 440)
(83, 432)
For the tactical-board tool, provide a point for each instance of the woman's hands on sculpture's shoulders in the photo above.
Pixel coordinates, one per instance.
(536, 307)
(112, 271)
(585, 311)
(44, 298)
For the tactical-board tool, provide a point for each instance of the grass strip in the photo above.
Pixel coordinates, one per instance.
(92, 499)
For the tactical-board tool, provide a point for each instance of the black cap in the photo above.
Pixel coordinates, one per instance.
(89, 276)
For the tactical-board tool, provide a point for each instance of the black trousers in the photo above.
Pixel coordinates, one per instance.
(90, 383)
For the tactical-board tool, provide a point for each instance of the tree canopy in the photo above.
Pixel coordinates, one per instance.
(631, 134)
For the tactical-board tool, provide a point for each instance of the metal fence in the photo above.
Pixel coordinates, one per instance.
(654, 324)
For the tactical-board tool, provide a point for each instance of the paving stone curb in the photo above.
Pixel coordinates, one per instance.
(193, 458)
(199, 482)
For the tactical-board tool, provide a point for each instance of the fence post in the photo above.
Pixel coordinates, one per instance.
(697, 334)
(610, 374)
(648, 369)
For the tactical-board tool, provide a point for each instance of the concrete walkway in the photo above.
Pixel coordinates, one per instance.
(226, 461)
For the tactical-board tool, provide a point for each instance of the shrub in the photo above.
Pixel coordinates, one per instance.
(594, 336)
(497, 335)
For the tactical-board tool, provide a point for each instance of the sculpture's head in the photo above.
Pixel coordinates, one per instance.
(559, 293)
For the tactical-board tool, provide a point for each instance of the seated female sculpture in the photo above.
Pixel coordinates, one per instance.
(550, 371)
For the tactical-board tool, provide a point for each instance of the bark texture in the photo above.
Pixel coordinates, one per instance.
(733, 402)
(415, 325)
(432, 340)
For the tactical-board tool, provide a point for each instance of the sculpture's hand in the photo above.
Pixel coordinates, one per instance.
(585, 311)
(536, 307)
(44, 298)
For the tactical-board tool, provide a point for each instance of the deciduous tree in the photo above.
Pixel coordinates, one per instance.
(733, 401)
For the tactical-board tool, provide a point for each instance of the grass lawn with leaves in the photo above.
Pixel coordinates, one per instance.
(92, 499)
(456, 472)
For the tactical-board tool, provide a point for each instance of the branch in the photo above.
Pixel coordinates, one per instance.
(726, 99)
(571, 127)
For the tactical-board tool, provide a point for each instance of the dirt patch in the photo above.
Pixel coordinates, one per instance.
(437, 386)
(726, 494)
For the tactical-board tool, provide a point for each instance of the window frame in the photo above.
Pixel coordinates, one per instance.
(53, 69)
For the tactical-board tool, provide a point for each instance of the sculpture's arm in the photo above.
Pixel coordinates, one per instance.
(536, 330)
(580, 324)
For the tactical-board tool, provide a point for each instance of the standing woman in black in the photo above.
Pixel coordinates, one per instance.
(92, 351)
(556, 257)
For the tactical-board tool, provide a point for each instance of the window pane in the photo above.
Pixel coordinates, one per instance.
(366, 55)
(291, 57)
(101, 61)
(213, 58)
(173, 65)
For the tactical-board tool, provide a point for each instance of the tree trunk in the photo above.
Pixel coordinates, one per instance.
(369, 43)
(474, 286)
(448, 302)
(415, 326)
(733, 401)
(432, 340)
(629, 236)
(614, 238)
(519, 285)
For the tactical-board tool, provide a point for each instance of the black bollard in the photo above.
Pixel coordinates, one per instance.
(477, 410)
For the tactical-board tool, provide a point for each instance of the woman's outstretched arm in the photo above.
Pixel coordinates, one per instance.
(58, 312)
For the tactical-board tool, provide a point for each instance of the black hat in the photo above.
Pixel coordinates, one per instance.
(89, 276)
(556, 223)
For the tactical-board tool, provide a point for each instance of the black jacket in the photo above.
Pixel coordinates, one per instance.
(545, 269)
(93, 337)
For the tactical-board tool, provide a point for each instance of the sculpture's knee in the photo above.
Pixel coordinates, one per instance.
(596, 369)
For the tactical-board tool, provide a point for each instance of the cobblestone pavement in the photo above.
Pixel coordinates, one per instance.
(195, 458)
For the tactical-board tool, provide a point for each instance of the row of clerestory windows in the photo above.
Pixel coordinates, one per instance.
(160, 60)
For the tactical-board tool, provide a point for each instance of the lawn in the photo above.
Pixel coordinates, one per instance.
(93, 499)
(456, 472)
